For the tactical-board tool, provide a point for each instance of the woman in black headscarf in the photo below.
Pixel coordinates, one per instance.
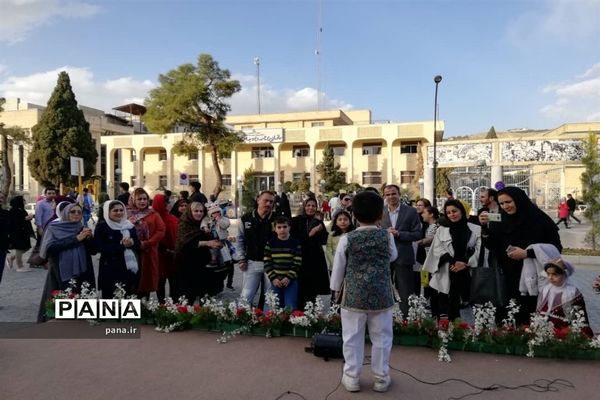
(522, 224)
(313, 279)
(450, 256)
(192, 254)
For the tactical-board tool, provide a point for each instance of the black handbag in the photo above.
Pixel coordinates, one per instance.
(488, 283)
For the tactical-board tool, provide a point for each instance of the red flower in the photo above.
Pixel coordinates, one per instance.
(443, 324)
(463, 325)
(258, 311)
(55, 293)
(561, 333)
(197, 308)
(182, 309)
(297, 313)
(240, 311)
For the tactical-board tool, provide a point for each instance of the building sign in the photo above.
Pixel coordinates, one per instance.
(254, 136)
(464, 153)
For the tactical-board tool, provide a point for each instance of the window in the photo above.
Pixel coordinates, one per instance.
(300, 151)
(194, 178)
(162, 155)
(371, 178)
(339, 150)
(371, 149)
(408, 148)
(407, 176)
(262, 152)
(315, 124)
(193, 155)
(226, 180)
(297, 176)
(162, 181)
(133, 181)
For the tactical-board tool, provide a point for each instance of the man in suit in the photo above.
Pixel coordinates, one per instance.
(402, 221)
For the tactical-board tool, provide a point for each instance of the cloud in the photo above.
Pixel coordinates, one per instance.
(566, 21)
(19, 17)
(279, 100)
(36, 88)
(577, 99)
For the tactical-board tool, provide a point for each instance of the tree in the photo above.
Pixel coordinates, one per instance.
(249, 191)
(61, 133)
(590, 180)
(491, 134)
(8, 135)
(193, 97)
(442, 182)
(330, 172)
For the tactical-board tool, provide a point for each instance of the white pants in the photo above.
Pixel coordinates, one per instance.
(251, 279)
(381, 334)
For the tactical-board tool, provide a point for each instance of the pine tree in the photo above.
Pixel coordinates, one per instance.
(62, 133)
(194, 97)
(330, 172)
(590, 180)
(491, 134)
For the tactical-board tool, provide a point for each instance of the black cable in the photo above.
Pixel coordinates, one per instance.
(289, 393)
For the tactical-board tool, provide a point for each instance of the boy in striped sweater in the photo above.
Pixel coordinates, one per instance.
(283, 258)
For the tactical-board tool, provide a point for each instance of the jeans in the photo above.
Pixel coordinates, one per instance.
(251, 280)
(288, 296)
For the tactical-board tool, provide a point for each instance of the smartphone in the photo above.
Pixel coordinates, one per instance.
(510, 248)
(494, 217)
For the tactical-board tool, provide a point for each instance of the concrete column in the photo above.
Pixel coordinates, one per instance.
(170, 156)
(350, 174)
(276, 183)
(110, 171)
(496, 174)
(428, 183)
(140, 167)
(314, 183)
(201, 165)
(390, 162)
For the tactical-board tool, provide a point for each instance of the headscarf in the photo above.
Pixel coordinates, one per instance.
(159, 204)
(59, 208)
(311, 221)
(528, 225)
(459, 230)
(137, 215)
(188, 228)
(123, 226)
(175, 208)
(72, 262)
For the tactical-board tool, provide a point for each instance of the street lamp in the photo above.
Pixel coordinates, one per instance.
(437, 80)
(240, 181)
(257, 63)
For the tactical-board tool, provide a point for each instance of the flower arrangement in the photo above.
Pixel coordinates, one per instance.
(539, 338)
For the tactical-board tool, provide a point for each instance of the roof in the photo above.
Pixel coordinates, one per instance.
(132, 108)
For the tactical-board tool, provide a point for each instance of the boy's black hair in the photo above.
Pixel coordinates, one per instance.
(281, 220)
(124, 186)
(367, 207)
(492, 193)
(433, 211)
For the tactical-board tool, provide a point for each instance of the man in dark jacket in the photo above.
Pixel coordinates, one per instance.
(253, 232)
(195, 194)
(572, 204)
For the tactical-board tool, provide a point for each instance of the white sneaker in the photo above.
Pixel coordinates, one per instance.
(382, 383)
(350, 384)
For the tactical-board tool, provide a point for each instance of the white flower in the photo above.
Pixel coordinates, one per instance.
(513, 309)
(119, 292)
(542, 328)
(417, 309)
(485, 319)
(445, 336)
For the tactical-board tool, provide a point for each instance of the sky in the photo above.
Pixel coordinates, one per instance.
(505, 63)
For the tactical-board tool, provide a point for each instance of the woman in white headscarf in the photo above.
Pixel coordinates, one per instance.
(68, 247)
(117, 242)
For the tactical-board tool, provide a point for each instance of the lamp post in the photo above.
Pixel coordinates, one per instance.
(257, 63)
(240, 181)
(437, 80)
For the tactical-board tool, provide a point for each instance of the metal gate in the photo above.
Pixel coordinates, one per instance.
(540, 182)
(467, 182)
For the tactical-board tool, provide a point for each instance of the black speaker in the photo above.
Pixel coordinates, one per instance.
(327, 345)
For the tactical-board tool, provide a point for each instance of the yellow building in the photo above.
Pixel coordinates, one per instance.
(278, 148)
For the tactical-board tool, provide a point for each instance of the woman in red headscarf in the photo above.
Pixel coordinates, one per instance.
(150, 230)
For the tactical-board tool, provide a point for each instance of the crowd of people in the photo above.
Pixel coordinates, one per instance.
(378, 251)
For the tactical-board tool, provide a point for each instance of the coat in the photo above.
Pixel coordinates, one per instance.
(149, 271)
(21, 230)
(409, 226)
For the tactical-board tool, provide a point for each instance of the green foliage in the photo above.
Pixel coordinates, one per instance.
(330, 172)
(302, 186)
(442, 181)
(194, 97)
(249, 191)
(61, 133)
(288, 187)
(590, 180)
(491, 134)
